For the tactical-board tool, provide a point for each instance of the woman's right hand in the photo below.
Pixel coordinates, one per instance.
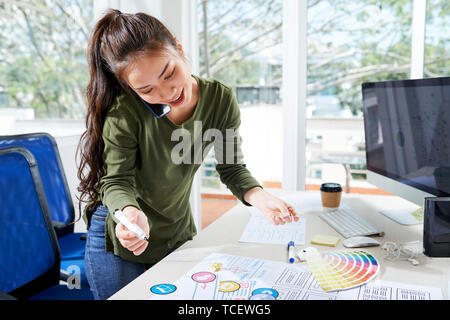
(129, 239)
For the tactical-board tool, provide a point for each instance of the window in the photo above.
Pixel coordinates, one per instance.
(437, 39)
(349, 42)
(241, 46)
(43, 67)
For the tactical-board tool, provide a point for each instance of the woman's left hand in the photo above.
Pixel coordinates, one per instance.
(274, 209)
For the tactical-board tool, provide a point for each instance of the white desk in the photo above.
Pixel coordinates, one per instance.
(222, 236)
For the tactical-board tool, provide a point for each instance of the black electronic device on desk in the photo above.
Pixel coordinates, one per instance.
(436, 227)
(407, 136)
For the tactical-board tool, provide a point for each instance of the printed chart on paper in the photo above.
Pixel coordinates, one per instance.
(229, 277)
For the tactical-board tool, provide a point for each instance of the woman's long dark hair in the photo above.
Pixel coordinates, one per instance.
(117, 39)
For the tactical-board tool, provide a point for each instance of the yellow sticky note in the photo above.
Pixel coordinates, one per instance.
(324, 240)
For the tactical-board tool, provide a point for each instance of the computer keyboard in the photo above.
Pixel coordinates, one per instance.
(349, 224)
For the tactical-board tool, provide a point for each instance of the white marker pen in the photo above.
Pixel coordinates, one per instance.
(130, 226)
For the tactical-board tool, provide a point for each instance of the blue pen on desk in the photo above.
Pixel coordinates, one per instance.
(291, 247)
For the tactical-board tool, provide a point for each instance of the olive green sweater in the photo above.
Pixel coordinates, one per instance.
(143, 170)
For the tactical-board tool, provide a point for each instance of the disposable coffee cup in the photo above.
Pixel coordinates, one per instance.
(330, 194)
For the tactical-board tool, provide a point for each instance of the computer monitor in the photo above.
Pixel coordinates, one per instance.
(407, 135)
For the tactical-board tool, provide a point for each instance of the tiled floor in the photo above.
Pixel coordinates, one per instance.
(215, 208)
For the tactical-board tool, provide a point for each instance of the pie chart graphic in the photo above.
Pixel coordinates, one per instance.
(344, 270)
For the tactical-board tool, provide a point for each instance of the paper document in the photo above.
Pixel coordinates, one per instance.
(385, 290)
(304, 202)
(260, 230)
(228, 277)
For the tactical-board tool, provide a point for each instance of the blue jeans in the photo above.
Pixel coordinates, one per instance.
(106, 272)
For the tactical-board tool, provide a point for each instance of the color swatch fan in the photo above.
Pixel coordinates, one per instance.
(340, 270)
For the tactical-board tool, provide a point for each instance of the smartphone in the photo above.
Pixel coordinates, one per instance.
(158, 110)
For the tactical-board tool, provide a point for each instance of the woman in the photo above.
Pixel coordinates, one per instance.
(127, 153)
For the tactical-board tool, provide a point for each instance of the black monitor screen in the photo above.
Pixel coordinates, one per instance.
(407, 131)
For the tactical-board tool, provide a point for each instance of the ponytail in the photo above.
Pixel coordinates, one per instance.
(116, 40)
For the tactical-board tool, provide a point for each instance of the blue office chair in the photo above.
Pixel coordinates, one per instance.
(44, 149)
(29, 250)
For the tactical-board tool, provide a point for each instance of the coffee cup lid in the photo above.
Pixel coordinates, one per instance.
(331, 187)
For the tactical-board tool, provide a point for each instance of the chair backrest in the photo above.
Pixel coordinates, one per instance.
(45, 150)
(29, 250)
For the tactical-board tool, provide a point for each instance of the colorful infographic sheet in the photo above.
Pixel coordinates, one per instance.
(229, 277)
